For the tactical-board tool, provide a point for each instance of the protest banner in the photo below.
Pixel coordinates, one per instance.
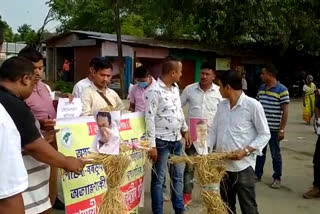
(83, 192)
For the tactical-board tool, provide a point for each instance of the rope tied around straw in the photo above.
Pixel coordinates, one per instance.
(115, 167)
(210, 170)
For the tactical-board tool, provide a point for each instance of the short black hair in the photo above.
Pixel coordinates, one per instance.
(141, 72)
(169, 64)
(207, 65)
(1, 35)
(15, 67)
(232, 78)
(31, 54)
(98, 63)
(271, 69)
(104, 114)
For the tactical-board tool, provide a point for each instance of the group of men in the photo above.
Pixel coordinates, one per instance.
(236, 123)
(27, 137)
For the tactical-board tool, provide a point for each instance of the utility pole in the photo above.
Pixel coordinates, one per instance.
(120, 55)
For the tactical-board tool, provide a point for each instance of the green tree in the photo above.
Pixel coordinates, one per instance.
(253, 24)
(8, 33)
(26, 33)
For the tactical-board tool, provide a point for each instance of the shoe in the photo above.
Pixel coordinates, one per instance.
(187, 199)
(276, 184)
(312, 193)
(58, 205)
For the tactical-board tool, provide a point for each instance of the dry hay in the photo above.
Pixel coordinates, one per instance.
(209, 170)
(115, 167)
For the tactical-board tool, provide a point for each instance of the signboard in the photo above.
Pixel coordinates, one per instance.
(83, 192)
(223, 64)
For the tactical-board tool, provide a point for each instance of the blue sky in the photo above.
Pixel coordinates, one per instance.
(19, 12)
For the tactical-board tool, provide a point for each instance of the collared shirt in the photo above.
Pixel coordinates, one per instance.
(242, 126)
(80, 86)
(202, 104)
(93, 102)
(15, 179)
(271, 100)
(137, 96)
(40, 102)
(164, 114)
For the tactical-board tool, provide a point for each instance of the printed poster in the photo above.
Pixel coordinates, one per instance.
(83, 192)
(199, 134)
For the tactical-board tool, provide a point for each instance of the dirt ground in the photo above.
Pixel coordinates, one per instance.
(297, 152)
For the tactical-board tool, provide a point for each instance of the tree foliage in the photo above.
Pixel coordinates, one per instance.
(278, 24)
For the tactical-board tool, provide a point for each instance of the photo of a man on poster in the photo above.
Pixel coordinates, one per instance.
(199, 134)
(107, 138)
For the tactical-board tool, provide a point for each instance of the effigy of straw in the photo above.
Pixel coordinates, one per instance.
(209, 171)
(115, 167)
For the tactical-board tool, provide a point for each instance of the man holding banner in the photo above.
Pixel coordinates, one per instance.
(165, 125)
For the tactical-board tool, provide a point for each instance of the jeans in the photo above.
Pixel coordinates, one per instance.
(276, 158)
(316, 165)
(241, 184)
(165, 148)
(189, 172)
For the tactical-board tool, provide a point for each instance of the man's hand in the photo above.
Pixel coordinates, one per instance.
(153, 154)
(186, 137)
(68, 95)
(238, 154)
(73, 164)
(280, 135)
(47, 124)
(50, 136)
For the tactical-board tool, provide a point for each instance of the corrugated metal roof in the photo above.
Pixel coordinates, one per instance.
(136, 40)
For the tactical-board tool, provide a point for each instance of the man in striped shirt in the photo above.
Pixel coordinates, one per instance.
(274, 98)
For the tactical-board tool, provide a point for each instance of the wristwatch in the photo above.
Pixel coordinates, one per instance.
(247, 151)
(281, 131)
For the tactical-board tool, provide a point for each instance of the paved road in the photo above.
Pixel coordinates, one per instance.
(297, 151)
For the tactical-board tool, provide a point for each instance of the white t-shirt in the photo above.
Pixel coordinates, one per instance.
(14, 178)
(80, 86)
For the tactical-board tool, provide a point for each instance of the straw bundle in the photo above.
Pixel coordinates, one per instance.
(209, 170)
(115, 167)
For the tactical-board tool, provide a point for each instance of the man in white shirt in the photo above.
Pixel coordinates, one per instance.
(240, 126)
(202, 99)
(15, 180)
(80, 86)
(98, 96)
(165, 125)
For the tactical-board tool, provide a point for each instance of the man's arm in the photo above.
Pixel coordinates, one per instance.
(44, 152)
(184, 97)
(132, 107)
(152, 102)
(120, 105)
(284, 119)
(285, 113)
(256, 146)
(13, 204)
(212, 135)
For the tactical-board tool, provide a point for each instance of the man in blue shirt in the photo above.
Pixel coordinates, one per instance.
(274, 98)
